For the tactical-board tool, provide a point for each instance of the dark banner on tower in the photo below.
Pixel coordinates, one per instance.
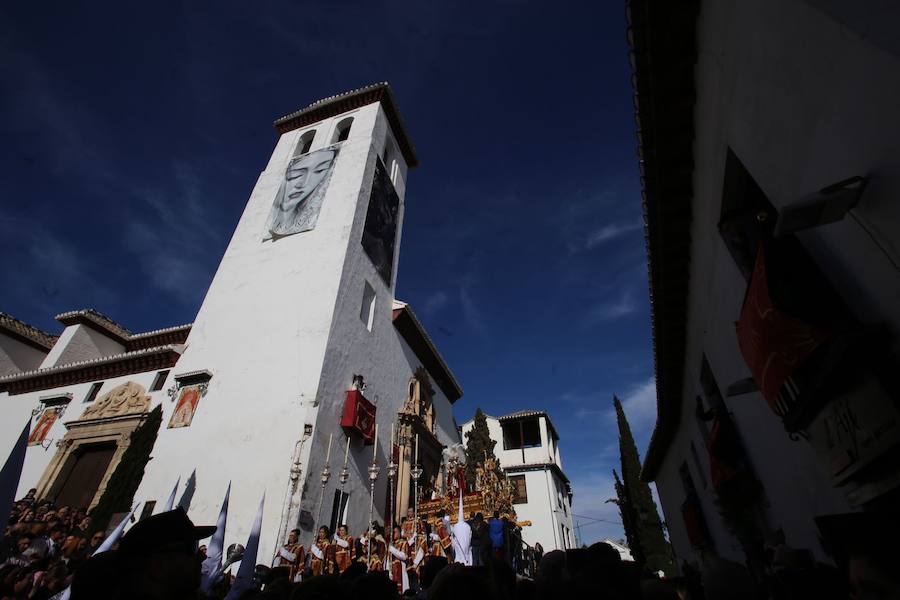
(380, 231)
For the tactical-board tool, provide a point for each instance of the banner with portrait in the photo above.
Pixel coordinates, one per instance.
(188, 399)
(302, 192)
(42, 427)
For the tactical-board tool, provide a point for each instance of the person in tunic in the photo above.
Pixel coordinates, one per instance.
(419, 547)
(344, 549)
(443, 535)
(322, 552)
(375, 538)
(399, 555)
(409, 524)
(292, 555)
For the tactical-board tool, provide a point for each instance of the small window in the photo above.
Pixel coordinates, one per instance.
(522, 433)
(342, 130)
(520, 492)
(92, 393)
(148, 509)
(367, 310)
(305, 142)
(159, 381)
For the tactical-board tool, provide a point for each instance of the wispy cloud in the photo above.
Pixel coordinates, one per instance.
(435, 302)
(176, 248)
(609, 232)
(639, 404)
(48, 273)
(608, 311)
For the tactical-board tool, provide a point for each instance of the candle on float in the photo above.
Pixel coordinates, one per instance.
(392, 438)
(417, 449)
(347, 451)
(375, 446)
(328, 454)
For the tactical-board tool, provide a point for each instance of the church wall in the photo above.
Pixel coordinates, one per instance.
(80, 342)
(17, 409)
(380, 355)
(16, 356)
(262, 331)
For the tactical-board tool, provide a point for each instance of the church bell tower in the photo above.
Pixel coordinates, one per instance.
(302, 297)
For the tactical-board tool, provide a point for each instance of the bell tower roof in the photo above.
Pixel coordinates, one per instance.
(341, 103)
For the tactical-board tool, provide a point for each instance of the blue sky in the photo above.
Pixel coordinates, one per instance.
(133, 134)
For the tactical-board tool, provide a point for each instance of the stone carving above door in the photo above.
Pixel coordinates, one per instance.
(126, 399)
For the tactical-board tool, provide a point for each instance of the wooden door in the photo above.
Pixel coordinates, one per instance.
(80, 486)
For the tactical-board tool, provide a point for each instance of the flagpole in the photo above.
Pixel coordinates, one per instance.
(416, 473)
(373, 476)
(326, 475)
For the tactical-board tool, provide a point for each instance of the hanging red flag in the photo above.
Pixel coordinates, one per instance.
(359, 416)
(773, 343)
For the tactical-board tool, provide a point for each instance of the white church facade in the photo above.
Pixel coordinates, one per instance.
(527, 447)
(299, 340)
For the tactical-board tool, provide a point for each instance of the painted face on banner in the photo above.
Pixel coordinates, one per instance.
(299, 200)
(303, 176)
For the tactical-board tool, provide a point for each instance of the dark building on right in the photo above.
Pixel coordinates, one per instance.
(769, 143)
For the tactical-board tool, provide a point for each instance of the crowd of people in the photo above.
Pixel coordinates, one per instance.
(42, 547)
(50, 553)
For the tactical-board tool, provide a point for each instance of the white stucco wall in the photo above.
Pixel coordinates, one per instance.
(80, 342)
(548, 507)
(16, 356)
(262, 331)
(803, 102)
(17, 410)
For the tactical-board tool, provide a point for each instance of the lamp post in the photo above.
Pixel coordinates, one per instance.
(326, 475)
(374, 470)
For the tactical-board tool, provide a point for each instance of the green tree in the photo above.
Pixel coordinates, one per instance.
(651, 544)
(479, 446)
(123, 483)
(626, 510)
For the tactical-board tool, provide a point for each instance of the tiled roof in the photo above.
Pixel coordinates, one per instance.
(26, 332)
(520, 414)
(341, 103)
(95, 317)
(92, 369)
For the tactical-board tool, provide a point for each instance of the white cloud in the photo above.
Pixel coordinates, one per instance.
(434, 303)
(609, 232)
(639, 405)
(616, 309)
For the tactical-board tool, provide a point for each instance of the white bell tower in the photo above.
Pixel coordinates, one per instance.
(301, 300)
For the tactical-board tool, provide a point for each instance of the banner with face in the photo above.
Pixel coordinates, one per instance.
(299, 200)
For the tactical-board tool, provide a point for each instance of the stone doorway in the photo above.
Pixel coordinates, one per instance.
(93, 447)
(88, 467)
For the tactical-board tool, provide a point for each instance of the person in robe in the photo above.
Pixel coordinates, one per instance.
(374, 538)
(442, 534)
(419, 547)
(292, 555)
(322, 561)
(399, 556)
(409, 524)
(344, 549)
(461, 535)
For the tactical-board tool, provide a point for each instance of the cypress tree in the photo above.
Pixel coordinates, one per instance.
(648, 532)
(626, 510)
(124, 481)
(479, 446)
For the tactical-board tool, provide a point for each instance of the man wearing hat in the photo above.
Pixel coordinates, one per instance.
(156, 559)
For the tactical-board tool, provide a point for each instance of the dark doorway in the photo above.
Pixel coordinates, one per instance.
(83, 479)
